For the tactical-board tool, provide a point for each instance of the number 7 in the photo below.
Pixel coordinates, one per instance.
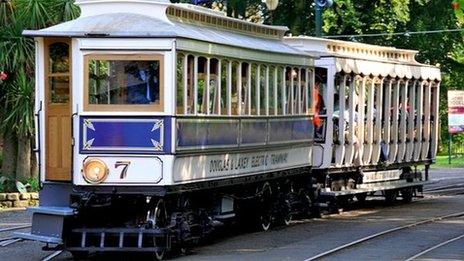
(124, 170)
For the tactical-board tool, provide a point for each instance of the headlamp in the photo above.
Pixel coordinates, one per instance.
(95, 171)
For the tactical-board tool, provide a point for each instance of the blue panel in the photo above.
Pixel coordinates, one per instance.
(254, 132)
(302, 129)
(280, 131)
(206, 133)
(125, 134)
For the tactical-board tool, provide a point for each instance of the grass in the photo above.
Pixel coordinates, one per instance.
(456, 162)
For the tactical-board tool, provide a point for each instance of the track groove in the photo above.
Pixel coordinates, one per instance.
(434, 247)
(388, 231)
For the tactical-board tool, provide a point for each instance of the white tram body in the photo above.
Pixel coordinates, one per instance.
(140, 100)
(379, 114)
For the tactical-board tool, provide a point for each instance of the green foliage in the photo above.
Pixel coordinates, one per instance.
(7, 185)
(35, 14)
(65, 10)
(20, 100)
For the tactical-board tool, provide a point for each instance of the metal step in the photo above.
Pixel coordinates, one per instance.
(44, 239)
(57, 211)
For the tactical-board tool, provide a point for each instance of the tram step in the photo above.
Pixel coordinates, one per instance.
(44, 239)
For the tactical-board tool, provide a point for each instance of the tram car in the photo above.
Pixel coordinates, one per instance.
(158, 122)
(376, 123)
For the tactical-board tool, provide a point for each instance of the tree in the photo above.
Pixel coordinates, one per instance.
(17, 60)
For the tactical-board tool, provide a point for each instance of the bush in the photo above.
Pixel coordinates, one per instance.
(9, 185)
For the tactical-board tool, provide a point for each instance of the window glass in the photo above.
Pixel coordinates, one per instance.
(124, 81)
(280, 83)
(59, 87)
(214, 94)
(254, 75)
(224, 75)
(180, 83)
(234, 88)
(58, 73)
(271, 90)
(190, 79)
(301, 104)
(288, 87)
(59, 58)
(244, 93)
(201, 85)
(262, 89)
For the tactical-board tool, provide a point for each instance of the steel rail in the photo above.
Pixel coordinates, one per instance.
(53, 255)
(388, 231)
(434, 247)
(14, 228)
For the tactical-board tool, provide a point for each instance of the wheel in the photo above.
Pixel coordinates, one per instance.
(265, 216)
(287, 213)
(343, 201)
(158, 218)
(361, 197)
(79, 255)
(307, 204)
(406, 194)
(390, 196)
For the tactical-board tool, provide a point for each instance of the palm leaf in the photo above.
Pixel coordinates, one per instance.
(19, 102)
(35, 14)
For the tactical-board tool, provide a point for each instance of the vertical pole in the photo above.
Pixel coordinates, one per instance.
(449, 147)
(318, 20)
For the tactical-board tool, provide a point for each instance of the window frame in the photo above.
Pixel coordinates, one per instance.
(155, 107)
(48, 74)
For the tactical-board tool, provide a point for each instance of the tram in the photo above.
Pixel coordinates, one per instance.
(377, 119)
(158, 122)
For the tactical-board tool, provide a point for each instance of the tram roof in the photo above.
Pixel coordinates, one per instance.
(366, 59)
(160, 19)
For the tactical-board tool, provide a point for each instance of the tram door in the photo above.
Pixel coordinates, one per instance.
(57, 110)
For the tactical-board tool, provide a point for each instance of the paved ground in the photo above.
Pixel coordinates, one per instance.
(304, 239)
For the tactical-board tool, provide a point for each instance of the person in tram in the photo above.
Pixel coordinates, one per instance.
(319, 108)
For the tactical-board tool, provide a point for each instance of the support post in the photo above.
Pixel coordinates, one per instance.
(318, 20)
(450, 141)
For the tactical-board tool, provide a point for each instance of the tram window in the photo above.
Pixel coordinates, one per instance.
(58, 72)
(271, 90)
(280, 83)
(118, 79)
(319, 91)
(190, 83)
(224, 76)
(262, 89)
(302, 83)
(234, 94)
(180, 67)
(296, 97)
(253, 89)
(244, 89)
(214, 87)
(201, 86)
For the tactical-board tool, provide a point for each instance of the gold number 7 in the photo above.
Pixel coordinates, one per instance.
(124, 170)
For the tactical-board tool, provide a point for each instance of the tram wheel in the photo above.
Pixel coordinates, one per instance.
(361, 197)
(406, 194)
(287, 216)
(265, 216)
(308, 206)
(390, 195)
(158, 218)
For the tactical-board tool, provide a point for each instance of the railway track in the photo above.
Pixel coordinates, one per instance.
(385, 232)
(11, 240)
(425, 251)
